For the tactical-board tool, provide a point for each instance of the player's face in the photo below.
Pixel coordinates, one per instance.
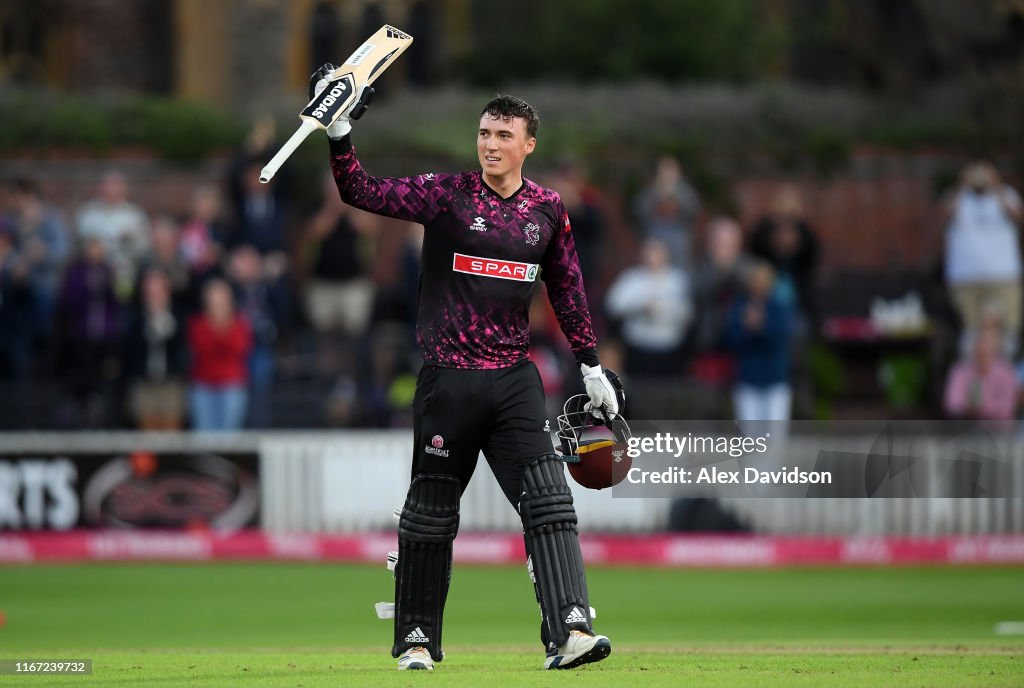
(502, 145)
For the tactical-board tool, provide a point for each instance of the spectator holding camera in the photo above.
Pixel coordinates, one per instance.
(983, 262)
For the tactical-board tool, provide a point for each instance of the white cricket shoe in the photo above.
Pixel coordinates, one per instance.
(580, 648)
(416, 658)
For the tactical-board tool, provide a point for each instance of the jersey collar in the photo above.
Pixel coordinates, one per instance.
(494, 193)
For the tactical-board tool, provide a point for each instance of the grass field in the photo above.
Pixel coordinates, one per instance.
(313, 625)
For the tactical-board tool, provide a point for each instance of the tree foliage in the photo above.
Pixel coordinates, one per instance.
(613, 40)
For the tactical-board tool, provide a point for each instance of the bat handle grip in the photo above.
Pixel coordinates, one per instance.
(305, 129)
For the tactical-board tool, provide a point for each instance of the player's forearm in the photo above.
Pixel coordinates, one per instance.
(569, 301)
(587, 355)
(356, 187)
(575, 322)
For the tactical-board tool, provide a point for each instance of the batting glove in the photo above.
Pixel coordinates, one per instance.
(342, 126)
(603, 403)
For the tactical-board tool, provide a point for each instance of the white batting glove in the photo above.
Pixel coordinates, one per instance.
(341, 128)
(602, 395)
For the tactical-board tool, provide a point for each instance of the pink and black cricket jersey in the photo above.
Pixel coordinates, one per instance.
(481, 256)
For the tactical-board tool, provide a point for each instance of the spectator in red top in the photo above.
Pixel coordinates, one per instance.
(219, 340)
(984, 386)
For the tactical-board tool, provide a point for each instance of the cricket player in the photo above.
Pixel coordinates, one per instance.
(489, 235)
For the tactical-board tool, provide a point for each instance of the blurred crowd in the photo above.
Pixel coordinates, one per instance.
(732, 311)
(241, 312)
(166, 322)
(724, 309)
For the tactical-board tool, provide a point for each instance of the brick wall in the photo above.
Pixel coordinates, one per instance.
(881, 212)
(862, 224)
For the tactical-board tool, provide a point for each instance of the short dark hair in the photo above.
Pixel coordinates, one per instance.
(508, 107)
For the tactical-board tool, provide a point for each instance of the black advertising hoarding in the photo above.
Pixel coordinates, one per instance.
(141, 489)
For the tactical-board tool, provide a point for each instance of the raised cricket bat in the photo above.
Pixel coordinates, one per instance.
(361, 69)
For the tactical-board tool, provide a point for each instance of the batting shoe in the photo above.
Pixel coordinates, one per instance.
(416, 658)
(580, 648)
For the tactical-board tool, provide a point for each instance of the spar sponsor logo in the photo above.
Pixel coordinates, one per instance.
(495, 267)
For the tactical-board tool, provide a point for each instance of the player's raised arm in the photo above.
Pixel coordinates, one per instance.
(418, 199)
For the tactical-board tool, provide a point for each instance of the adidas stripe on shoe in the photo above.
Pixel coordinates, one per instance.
(580, 648)
(416, 658)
